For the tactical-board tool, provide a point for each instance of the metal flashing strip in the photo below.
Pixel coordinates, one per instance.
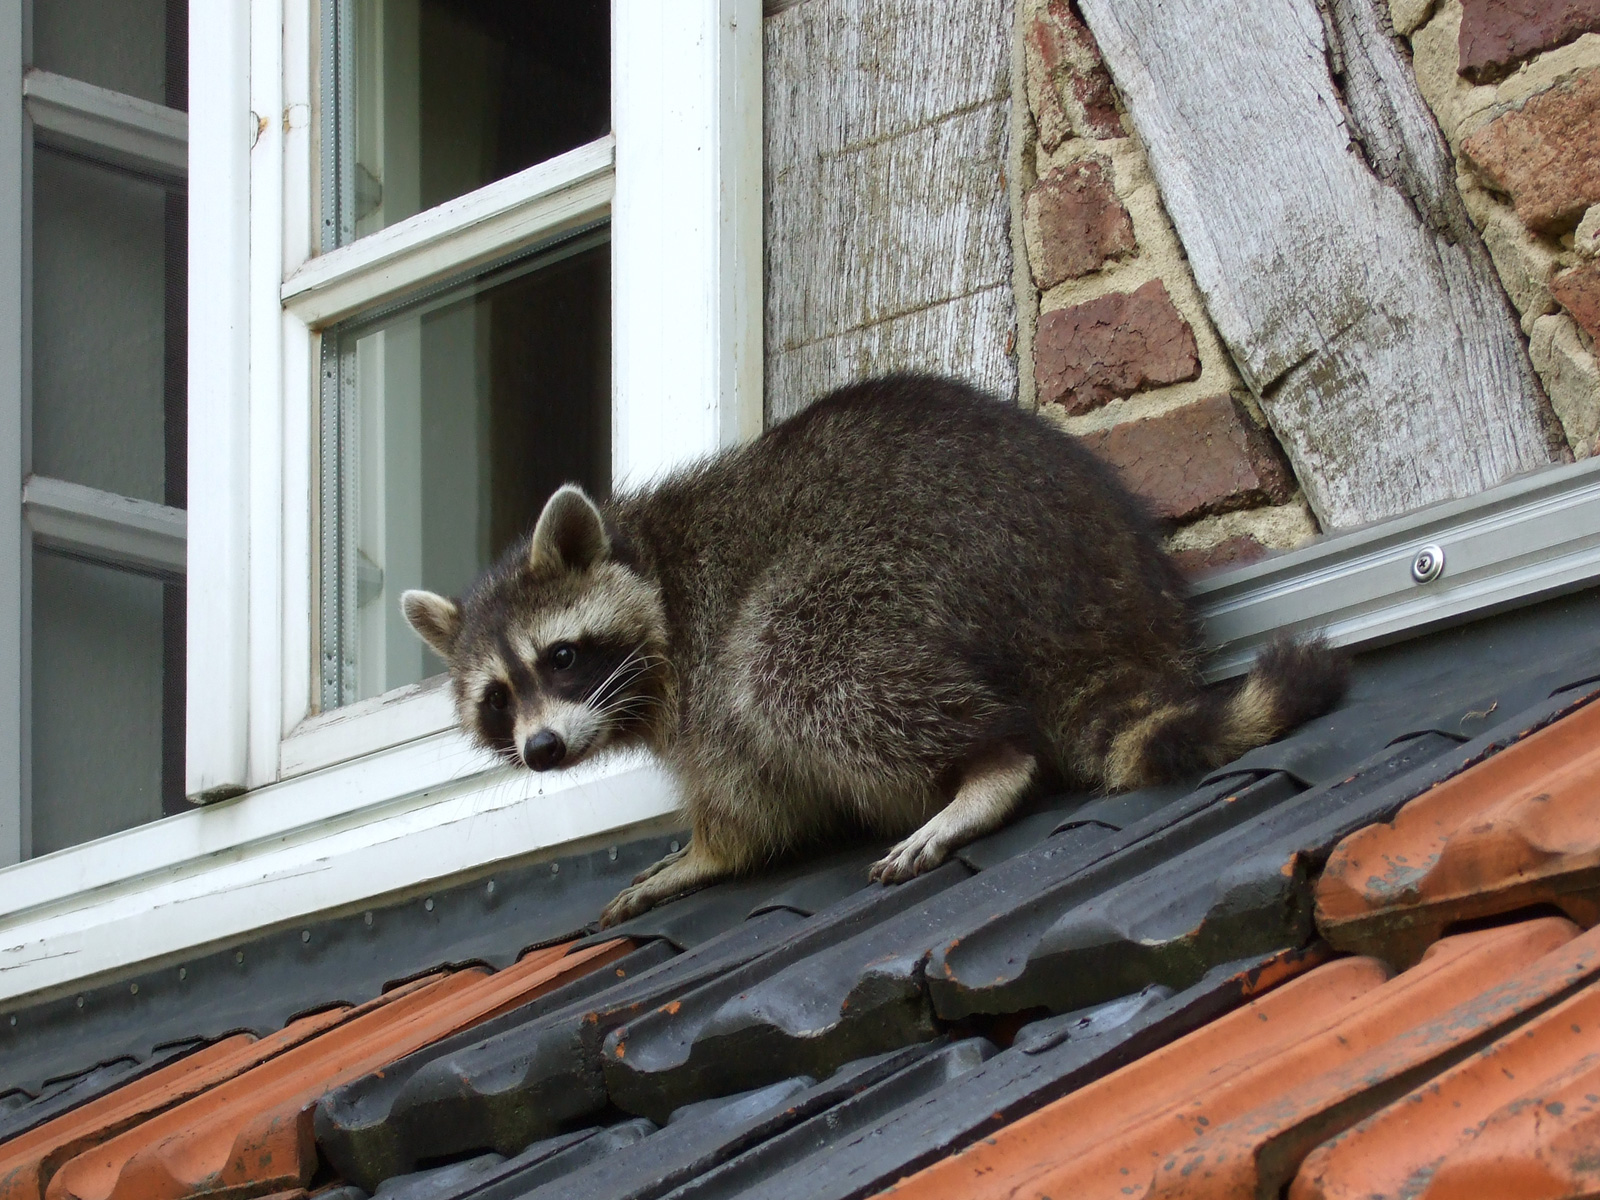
(107, 126)
(1534, 537)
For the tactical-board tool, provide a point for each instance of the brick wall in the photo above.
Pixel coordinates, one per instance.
(1123, 353)
(1515, 85)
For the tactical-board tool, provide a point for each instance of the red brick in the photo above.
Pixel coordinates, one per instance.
(1112, 346)
(1230, 552)
(1205, 457)
(1546, 155)
(1496, 35)
(1069, 88)
(1578, 291)
(1079, 223)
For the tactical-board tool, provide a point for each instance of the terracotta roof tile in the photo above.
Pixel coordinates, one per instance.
(251, 1135)
(1519, 829)
(28, 1162)
(1522, 1118)
(1230, 1109)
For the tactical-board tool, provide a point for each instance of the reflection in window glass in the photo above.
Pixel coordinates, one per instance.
(108, 380)
(102, 665)
(137, 47)
(446, 426)
(439, 97)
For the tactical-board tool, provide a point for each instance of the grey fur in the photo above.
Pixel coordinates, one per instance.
(894, 612)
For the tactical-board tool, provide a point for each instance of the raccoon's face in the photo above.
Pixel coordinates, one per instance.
(559, 650)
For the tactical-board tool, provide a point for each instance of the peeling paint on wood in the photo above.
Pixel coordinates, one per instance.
(888, 223)
(1328, 238)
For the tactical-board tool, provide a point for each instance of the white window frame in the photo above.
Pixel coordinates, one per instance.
(310, 812)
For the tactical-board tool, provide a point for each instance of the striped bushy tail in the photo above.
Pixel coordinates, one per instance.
(1290, 683)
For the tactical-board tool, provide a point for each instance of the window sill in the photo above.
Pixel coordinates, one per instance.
(330, 839)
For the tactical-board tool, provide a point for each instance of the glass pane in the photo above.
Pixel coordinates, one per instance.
(502, 84)
(101, 700)
(446, 425)
(108, 371)
(138, 47)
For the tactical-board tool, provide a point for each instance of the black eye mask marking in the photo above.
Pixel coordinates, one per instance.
(599, 670)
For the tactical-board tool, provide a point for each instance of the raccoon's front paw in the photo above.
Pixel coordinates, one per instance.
(661, 864)
(922, 851)
(630, 902)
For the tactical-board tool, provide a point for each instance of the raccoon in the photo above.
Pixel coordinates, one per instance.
(893, 613)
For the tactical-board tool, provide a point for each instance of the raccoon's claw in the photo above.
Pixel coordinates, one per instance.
(918, 853)
(626, 905)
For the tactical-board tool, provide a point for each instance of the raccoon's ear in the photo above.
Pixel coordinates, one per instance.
(570, 532)
(436, 619)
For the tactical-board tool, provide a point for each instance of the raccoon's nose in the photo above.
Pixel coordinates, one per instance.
(544, 750)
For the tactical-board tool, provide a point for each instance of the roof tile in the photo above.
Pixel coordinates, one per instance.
(520, 1081)
(1519, 829)
(28, 1162)
(252, 1134)
(1522, 1117)
(1230, 1109)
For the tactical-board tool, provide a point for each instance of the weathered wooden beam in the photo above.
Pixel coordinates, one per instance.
(888, 224)
(1316, 200)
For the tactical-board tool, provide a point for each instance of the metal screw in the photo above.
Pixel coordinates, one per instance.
(1428, 565)
(428, 904)
(238, 957)
(133, 989)
(183, 973)
(674, 845)
(80, 1001)
(612, 853)
(367, 917)
(489, 887)
(555, 868)
(305, 935)
(13, 1021)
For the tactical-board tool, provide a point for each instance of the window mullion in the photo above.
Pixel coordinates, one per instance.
(118, 531)
(219, 374)
(107, 126)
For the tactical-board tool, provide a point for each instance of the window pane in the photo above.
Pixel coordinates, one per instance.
(101, 700)
(438, 97)
(446, 425)
(139, 47)
(107, 371)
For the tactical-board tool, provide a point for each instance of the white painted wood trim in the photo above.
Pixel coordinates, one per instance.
(229, 870)
(392, 719)
(138, 535)
(219, 419)
(685, 232)
(1529, 539)
(540, 202)
(268, 431)
(98, 123)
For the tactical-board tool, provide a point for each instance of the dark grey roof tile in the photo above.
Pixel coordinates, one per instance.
(528, 1076)
(763, 1020)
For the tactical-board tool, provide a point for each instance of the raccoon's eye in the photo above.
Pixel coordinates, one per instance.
(562, 657)
(497, 696)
